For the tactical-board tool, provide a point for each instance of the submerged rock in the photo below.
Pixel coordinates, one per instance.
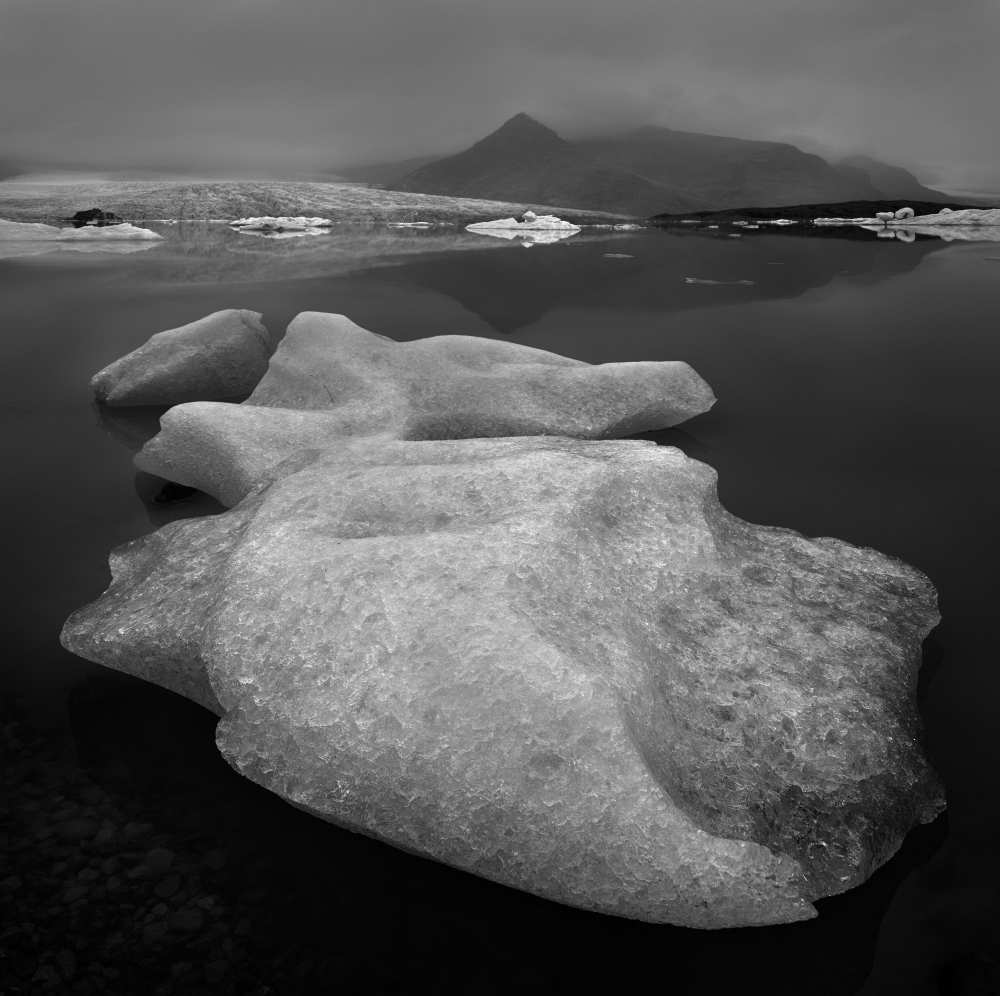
(95, 216)
(558, 664)
(330, 378)
(223, 355)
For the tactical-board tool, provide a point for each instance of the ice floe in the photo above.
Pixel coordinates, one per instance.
(720, 283)
(270, 224)
(533, 228)
(21, 231)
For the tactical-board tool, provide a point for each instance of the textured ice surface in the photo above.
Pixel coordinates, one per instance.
(222, 355)
(330, 379)
(558, 664)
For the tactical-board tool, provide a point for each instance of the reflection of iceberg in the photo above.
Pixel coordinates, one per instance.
(532, 228)
(20, 231)
(529, 238)
(297, 233)
(17, 250)
(953, 233)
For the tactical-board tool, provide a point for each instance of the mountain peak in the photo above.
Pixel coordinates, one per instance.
(523, 127)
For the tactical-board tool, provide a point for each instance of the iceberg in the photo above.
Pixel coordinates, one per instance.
(719, 283)
(557, 663)
(545, 228)
(554, 663)
(974, 217)
(220, 356)
(20, 231)
(845, 221)
(270, 223)
(330, 378)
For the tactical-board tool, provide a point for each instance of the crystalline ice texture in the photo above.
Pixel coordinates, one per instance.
(558, 664)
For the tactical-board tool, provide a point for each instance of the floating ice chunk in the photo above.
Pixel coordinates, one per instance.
(20, 231)
(280, 224)
(534, 229)
(904, 212)
(449, 386)
(975, 217)
(557, 664)
(220, 356)
(720, 283)
(844, 221)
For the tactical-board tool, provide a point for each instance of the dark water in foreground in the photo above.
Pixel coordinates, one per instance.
(857, 385)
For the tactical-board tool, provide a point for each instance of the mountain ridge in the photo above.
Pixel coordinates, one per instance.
(643, 171)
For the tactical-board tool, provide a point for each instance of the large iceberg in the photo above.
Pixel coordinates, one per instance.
(21, 231)
(220, 356)
(330, 379)
(558, 664)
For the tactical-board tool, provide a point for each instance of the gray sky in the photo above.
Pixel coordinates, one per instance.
(291, 85)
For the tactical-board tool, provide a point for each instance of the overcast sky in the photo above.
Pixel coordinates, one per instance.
(293, 85)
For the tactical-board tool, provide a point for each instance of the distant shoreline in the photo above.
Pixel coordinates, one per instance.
(45, 200)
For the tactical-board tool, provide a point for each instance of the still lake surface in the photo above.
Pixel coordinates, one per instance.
(857, 382)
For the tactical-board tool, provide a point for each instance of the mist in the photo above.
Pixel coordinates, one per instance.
(305, 86)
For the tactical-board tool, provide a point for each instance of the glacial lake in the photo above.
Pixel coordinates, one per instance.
(857, 383)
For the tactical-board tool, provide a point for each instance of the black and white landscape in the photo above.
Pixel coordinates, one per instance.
(500, 499)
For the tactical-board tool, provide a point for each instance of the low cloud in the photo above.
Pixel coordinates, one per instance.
(305, 85)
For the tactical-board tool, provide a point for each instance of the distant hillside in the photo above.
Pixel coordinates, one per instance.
(888, 180)
(645, 171)
(224, 200)
(525, 161)
(718, 172)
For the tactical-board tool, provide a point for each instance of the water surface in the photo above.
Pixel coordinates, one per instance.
(856, 382)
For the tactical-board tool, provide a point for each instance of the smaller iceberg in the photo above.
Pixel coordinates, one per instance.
(533, 228)
(288, 227)
(719, 283)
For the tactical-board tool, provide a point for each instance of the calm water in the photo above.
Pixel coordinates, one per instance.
(857, 384)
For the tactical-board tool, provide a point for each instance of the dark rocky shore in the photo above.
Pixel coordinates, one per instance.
(101, 903)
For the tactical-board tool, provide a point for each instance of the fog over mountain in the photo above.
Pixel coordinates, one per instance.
(258, 86)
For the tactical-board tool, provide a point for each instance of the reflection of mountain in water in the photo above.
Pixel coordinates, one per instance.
(510, 290)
